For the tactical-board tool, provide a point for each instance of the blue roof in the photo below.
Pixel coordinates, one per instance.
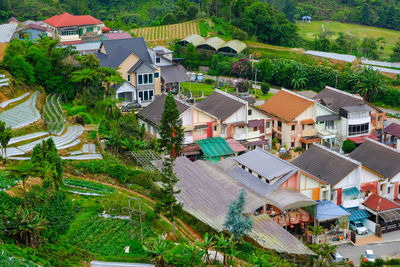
(358, 215)
(327, 210)
(352, 191)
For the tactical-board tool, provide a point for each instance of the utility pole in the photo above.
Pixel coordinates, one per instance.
(337, 73)
(140, 216)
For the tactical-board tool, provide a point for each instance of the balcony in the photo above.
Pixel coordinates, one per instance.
(310, 132)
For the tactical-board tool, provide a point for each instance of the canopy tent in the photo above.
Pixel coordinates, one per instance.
(233, 47)
(327, 210)
(215, 147)
(194, 39)
(213, 43)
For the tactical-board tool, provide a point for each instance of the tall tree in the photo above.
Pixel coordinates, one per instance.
(171, 139)
(5, 136)
(236, 222)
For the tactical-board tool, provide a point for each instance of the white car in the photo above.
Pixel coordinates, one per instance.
(369, 255)
(358, 227)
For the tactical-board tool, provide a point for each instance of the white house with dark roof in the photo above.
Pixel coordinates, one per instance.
(228, 116)
(342, 173)
(380, 169)
(151, 115)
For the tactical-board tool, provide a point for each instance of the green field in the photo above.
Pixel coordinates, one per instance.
(309, 30)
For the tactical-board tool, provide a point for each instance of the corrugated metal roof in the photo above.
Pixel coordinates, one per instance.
(206, 192)
(118, 264)
(7, 32)
(327, 210)
(235, 145)
(357, 215)
(236, 45)
(214, 147)
(213, 43)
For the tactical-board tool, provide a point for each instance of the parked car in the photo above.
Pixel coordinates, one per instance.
(130, 106)
(358, 227)
(369, 255)
(337, 257)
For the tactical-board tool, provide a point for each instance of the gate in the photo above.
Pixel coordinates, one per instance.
(353, 236)
(378, 230)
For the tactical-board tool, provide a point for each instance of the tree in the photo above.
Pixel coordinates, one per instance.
(158, 249)
(348, 146)
(265, 88)
(111, 77)
(169, 18)
(236, 222)
(171, 139)
(207, 243)
(226, 246)
(316, 231)
(84, 77)
(192, 59)
(396, 52)
(23, 170)
(45, 157)
(369, 83)
(192, 11)
(5, 136)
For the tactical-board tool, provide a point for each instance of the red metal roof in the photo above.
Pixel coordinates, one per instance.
(361, 139)
(105, 29)
(235, 145)
(377, 203)
(367, 187)
(66, 20)
(72, 42)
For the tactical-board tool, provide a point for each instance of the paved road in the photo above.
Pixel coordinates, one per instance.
(381, 250)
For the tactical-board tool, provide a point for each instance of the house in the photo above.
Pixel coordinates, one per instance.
(151, 115)
(266, 172)
(294, 119)
(380, 172)
(392, 135)
(75, 29)
(33, 30)
(385, 212)
(342, 173)
(347, 115)
(228, 116)
(132, 59)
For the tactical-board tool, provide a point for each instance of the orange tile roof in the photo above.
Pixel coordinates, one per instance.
(286, 105)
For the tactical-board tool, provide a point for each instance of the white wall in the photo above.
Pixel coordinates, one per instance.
(369, 224)
(187, 117)
(352, 179)
(368, 177)
(239, 115)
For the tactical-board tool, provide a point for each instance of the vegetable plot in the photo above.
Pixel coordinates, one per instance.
(53, 115)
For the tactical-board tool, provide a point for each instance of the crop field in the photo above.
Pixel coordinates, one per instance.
(309, 30)
(168, 32)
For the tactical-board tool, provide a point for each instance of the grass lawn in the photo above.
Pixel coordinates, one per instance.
(309, 30)
(197, 88)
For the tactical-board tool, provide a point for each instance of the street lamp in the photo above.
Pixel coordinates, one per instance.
(140, 216)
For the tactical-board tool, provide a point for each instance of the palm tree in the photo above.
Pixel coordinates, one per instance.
(111, 77)
(23, 169)
(316, 231)
(5, 136)
(195, 254)
(226, 246)
(369, 83)
(84, 77)
(207, 243)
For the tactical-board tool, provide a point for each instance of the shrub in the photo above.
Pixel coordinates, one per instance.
(87, 118)
(239, 34)
(209, 81)
(265, 88)
(348, 146)
(243, 86)
(76, 110)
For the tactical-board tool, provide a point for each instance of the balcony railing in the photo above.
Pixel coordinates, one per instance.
(311, 132)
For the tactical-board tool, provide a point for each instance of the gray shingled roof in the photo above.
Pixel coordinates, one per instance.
(115, 47)
(325, 164)
(138, 64)
(220, 105)
(378, 157)
(7, 32)
(265, 164)
(153, 112)
(335, 99)
(174, 73)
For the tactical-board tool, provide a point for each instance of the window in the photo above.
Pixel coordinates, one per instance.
(129, 77)
(254, 129)
(215, 127)
(249, 112)
(69, 32)
(158, 59)
(268, 124)
(156, 75)
(292, 144)
(146, 95)
(389, 189)
(381, 187)
(293, 127)
(358, 129)
(279, 124)
(259, 176)
(89, 29)
(329, 124)
(145, 79)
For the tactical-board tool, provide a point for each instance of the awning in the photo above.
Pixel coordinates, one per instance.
(255, 143)
(390, 215)
(352, 191)
(328, 118)
(235, 145)
(214, 147)
(358, 215)
(361, 139)
(255, 123)
(310, 140)
(239, 123)
(203, 126)
(308, 121)
(327, 210)
(367, 187)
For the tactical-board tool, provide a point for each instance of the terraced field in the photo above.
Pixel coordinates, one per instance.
(168, 32)
(53, 115)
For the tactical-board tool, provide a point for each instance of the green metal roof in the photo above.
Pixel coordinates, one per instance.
(352, 191)
(358, 215)
(214, 147)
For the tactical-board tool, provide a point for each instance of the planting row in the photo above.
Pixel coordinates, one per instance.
(53, 115)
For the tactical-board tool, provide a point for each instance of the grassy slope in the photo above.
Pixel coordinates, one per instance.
(309, 30)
